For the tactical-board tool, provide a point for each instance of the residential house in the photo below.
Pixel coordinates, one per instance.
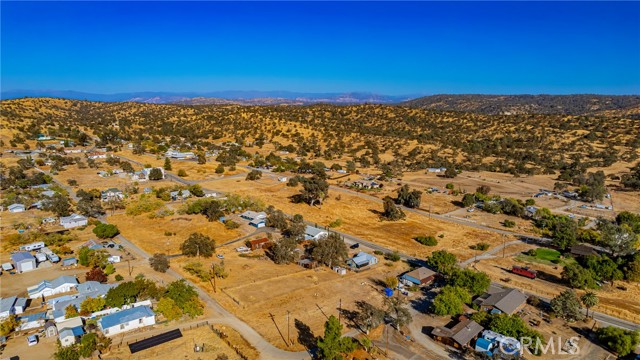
(362, 259)
(459, 335)
(499, 300)
(70, 331)
(59, 285)
(258, 243)
(48, 193)
(419, 276)
(530, 210)
(180, 195)
(73, 220)
(23, 261)
(127, 320)
(97, 155)
(111, 194)
(313, 233)
(93, 245)
(12, 306)
(175, 154)
(32, 321)
(89, 289)
(365, 184)
(252, 215)
(437, 170)
(16, 208)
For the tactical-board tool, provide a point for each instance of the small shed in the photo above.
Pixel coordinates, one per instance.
(582, 250)
(69, 261)
(50, 329)
(16, 208)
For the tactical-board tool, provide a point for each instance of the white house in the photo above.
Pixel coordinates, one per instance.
(12, 306)
(127, 320)
(70, 331)
(73, 220)
(16, 208)
(175, 154)
(23, 261)
(111, 194)
(312, 233)
(57, 286)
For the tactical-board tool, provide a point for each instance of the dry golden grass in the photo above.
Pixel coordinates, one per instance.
(149, 234)
(182, 348)
(360, 219)
(263, 288)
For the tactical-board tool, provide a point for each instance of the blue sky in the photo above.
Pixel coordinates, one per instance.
(381, 47)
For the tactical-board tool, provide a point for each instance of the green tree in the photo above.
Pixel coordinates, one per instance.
(220, 169)
(578, 277)
(484, 189)
(167, 164)
(58, 204)
(168, 308)
(182, 173)
(475, 282)
(589, 299)
(124, 293)
(333, 346)
(620, 239)
(368, 316)
(277, 219)
(254, 175)
(155, 174)
(451, 300)
(442, 262)
(198, 244)
(185, 297)
(66, 353)
(282, 252)
(90, 208)
(88, 344)
(314, 190)
(468, 200)
(91, 305)
(331, 250)
(106, 231)
(621, 341)
(567, 305)
(159, 262)
(391, 211)
(398, 312)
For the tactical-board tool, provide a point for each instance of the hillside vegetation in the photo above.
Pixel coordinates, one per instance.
(530, 104)
(392, 138)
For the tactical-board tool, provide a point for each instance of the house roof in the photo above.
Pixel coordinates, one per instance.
(362, 258)
(313, 231)
(71, 332)
(15, 206)
(7, 303)
(22, 302)
(53, 284)
(93, 245)
(259, 241)
(72, 218)
(70, 323)
(125, 316)
(583, 250)
(506, 301)
(421, 273)
(461, 333)
(33, 317)
(22, 256)
(94, 288)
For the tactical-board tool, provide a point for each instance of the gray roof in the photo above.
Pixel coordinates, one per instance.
(312, 231)
(506, 301)
(72, 218)
(125, 316)
(94, 289)
(15, 206)
(22, 256)
(461, 333)
(7, 303)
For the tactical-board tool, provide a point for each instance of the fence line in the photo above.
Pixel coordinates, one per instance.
(225, 339)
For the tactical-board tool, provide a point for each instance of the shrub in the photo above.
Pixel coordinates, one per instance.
(106, 231)
(480, 246)
(182, 173)
(119, 277)
(392, 256)
(230, 224)
(509, 223)
(426, 240)
(336, 223)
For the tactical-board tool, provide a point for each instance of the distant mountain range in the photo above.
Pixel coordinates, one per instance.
(215, 97)
(529, 104)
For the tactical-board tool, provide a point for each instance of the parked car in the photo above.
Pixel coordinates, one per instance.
(355, 246)
(220, 256)
(32, 340)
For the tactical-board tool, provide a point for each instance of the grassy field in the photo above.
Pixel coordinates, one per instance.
(547, 257)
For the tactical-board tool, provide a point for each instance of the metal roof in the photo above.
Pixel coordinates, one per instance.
(125, 316)
(22, 256)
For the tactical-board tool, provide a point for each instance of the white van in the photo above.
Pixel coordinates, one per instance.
(32, 340)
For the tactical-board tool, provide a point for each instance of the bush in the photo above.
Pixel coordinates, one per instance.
(230, 224)
(509, 223)
(336, 223)
(182, 173)
(426, 240)
(480, 246)
(392, 256)
(119, 277)
(159, 262)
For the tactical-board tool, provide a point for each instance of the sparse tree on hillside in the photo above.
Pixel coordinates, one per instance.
(198, 244)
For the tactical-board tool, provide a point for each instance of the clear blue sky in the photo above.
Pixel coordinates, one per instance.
(391, 48)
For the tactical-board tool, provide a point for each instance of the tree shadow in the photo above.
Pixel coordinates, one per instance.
(350, 317)
(305, 335)
(378, 283)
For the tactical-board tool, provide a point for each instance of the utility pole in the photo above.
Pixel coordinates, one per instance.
(288, 331)
(340, 312)
(504, 245)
